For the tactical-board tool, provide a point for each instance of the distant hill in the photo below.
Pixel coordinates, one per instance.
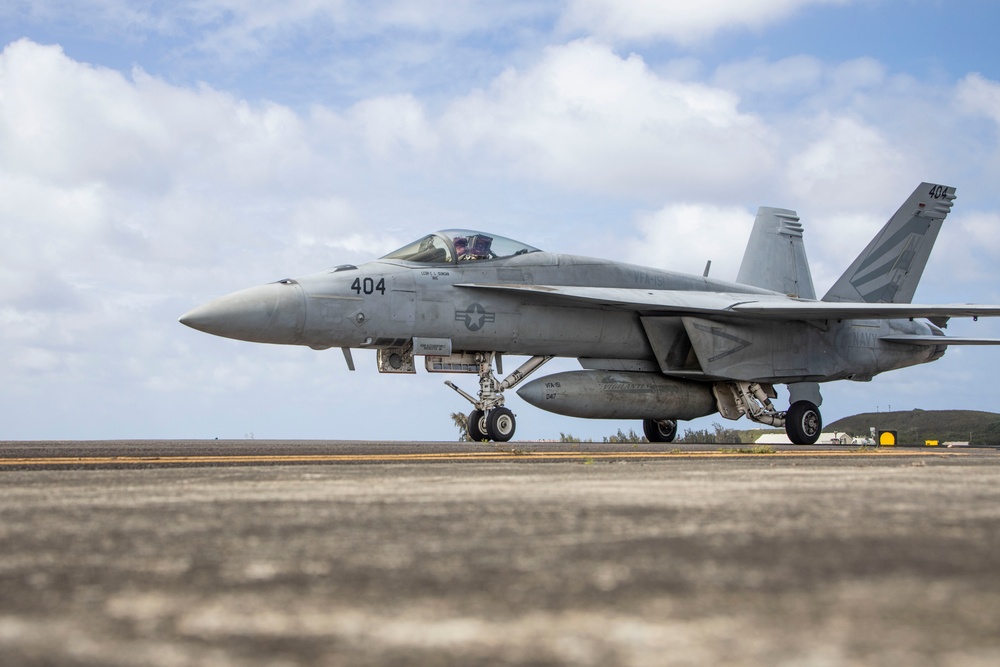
(916, 426)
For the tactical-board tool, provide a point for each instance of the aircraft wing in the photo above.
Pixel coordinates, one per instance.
(666, 302)
(741, 305)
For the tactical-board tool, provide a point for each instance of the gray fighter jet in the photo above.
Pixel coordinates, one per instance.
(653, 345)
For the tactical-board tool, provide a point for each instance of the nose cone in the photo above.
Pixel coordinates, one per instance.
(273, 313)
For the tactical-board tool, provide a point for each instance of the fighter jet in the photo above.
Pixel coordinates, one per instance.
(653, 345)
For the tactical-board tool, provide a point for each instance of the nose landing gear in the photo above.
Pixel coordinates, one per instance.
(490, 420)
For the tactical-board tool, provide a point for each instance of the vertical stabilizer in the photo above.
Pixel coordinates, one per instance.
(775, 257)
(888, 270)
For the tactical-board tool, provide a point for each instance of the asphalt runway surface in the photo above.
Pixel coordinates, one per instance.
(310, 553)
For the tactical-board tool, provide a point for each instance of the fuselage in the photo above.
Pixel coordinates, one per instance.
(388, 303)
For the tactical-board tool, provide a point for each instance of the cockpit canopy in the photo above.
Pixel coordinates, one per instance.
(459, 245)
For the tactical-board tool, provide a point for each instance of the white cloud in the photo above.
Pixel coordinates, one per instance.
(683, 237)
(978, 95)
(584, 117)
(847, 163)
(793, 75)
(393, 125)
(684, 23)
(806, 81)
(968, 251)
(59, 127)
(72, 124)
(120, 195)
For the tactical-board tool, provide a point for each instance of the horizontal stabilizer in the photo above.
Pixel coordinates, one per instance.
(939, 340)
(823, 310)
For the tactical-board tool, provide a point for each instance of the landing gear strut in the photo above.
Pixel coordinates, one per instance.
(491, 420)
(802, 420)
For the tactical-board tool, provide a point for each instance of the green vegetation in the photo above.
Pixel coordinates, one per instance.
(622, 437)
(462, 424)
(756, 449)
(718, 435)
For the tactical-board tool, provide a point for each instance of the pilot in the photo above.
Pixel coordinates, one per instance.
(461, 246)
(481, 246)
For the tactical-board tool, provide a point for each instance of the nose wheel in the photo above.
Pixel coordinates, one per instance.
(477, 426)
(498, 425)
(491, 420)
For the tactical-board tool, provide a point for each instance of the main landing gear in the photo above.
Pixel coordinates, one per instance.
(490, 420)
(802, 421)
(659, 430)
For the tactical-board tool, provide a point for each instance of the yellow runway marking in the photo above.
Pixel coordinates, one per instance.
(439, 457)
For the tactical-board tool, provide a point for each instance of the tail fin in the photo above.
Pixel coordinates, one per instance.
(775, 257)
(888, 270)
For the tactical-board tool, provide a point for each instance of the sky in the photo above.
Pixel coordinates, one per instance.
(154, 155)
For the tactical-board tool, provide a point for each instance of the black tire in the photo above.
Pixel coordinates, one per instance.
(500, 424)
(476, 426)
(660, 430)
(803, 423)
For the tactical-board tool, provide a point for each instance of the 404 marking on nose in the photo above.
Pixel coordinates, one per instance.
(368, 286)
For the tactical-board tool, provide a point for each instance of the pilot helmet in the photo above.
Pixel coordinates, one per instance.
(481, 245)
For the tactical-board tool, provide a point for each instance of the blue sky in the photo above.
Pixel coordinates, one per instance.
(154, 155)
(333, 63)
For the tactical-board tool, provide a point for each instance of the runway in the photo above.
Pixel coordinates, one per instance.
(124, 453)
(316, 553)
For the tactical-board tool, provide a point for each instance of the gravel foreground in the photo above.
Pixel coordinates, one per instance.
(748, 561)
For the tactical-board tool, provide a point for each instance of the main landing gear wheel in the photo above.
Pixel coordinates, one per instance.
(476, 426)
(500, 424)
(659, 430)
(803, 423)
